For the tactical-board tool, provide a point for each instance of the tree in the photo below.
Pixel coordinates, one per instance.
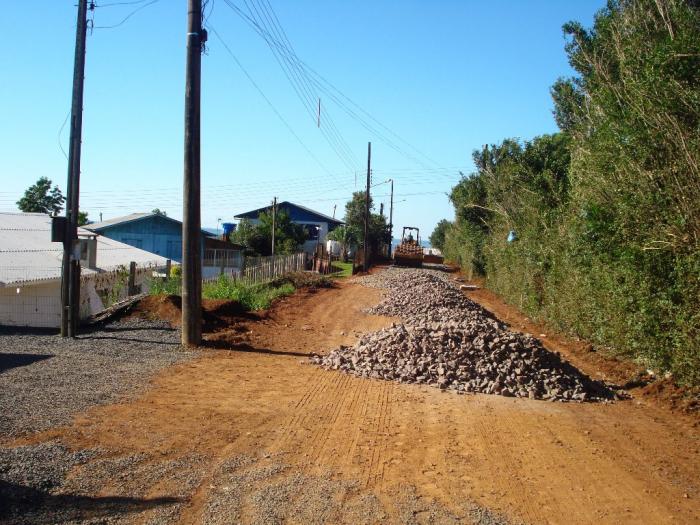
(41, 198)
(258, 237)
(437, 238)
(355, 220)
(346, 237)
(159, 212)
(82, 218)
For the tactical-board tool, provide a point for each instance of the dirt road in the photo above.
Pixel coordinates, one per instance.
(258, 435)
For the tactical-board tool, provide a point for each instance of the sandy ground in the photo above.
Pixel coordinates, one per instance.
(257, 435)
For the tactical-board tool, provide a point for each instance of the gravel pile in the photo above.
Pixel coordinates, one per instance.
(448, 341)
(45, 380)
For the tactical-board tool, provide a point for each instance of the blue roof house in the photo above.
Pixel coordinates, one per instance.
(148, 231)
(317, 224)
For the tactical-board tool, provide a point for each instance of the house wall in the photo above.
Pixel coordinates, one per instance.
(36, 305)
(154, 234)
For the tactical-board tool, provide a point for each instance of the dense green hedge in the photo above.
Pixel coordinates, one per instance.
(606, 212)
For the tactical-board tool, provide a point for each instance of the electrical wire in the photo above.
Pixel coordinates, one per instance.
(127, 17)
(330, 89)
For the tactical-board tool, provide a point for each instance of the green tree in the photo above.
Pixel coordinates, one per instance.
(41, 198)
(346, 237)
(82, 218)
(158, 211)
(258, 237)
(355, 220)
(437, 238)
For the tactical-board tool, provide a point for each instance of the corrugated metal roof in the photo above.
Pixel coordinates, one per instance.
(117, 220)
(253, 214)
(132, 217)
(27, 253)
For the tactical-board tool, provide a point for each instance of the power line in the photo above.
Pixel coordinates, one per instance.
(328, 88)
(301, 88)
(127, 17)
(269, 102)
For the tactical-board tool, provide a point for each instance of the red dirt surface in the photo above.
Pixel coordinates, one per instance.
(216, 313)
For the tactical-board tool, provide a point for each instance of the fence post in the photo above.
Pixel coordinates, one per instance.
(168, 265)
(132, 279)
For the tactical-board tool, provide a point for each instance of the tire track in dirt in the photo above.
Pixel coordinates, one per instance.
(499, 461)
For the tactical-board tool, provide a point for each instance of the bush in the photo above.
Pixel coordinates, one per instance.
(605, 212)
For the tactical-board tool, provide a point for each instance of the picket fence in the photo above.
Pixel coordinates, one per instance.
(264, 269)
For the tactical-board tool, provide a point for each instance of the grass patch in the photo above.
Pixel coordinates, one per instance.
(250, 296)
(172, 286)
(342, 269)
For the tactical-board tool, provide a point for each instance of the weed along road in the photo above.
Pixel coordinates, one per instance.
(253, 430)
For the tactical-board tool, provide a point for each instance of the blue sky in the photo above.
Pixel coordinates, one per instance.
(444, 76)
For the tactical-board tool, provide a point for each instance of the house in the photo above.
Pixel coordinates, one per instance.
(30, 271)
(152, 232)
(162, 235)
(317, 224)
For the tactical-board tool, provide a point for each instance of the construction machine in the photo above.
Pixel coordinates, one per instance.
(410, 251)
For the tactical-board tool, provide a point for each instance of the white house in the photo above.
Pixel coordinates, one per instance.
(30, 271)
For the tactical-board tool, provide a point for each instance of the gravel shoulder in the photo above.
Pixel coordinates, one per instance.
(45, 380)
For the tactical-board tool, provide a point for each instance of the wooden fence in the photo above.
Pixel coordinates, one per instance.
(263, 269)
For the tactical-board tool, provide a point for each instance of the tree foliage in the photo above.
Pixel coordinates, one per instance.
(40, 197)
(606, 213)
(258, 237)
(355, 220)
(437, 238)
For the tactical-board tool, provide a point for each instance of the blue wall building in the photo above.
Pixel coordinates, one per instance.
(148, 231)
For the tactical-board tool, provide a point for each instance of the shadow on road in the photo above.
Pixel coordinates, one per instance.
(8, 361)
(20, 504)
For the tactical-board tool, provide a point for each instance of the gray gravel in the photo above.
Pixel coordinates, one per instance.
(448, 341)
(45, 380)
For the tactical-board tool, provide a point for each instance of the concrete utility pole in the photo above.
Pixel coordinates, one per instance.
(191, 215)
(274, 223)
(365, 254)
(70, 274)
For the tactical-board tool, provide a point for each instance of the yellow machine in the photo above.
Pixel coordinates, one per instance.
(410, 251)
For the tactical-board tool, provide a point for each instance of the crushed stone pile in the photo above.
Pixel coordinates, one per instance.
(450, 342)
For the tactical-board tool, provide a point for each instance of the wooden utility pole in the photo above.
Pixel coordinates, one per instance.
(391, 217)
(70, 275)
(274, 223)
(365, 251)
(191, 215)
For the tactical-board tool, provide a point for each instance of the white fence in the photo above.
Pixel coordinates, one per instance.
(264, 269)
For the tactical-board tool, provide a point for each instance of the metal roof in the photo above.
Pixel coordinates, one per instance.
(117, 220)
(28, 255)
(133, 217)
(286, 204)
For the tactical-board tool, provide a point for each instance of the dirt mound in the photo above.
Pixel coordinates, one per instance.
(216, 313)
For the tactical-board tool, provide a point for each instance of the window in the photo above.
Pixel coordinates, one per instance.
(312, 231)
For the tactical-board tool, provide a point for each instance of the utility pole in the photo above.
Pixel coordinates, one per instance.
(274, 223)
(391, 217)
(381, 209)
(334, 210)
(365, 251)
(191, 216)
(70, 274)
